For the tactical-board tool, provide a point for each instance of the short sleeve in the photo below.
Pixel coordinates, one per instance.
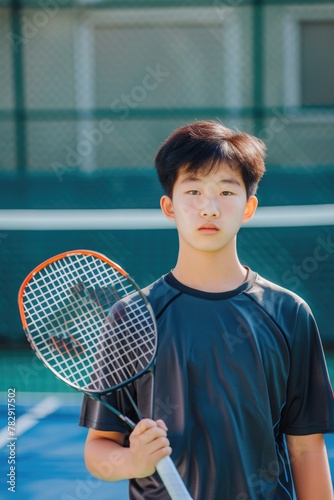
(309, 407)
(97, 416)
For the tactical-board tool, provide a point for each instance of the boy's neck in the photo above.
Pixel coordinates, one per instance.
(210, 272)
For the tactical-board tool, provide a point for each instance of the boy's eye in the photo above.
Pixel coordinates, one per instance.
(227, 193)
(193, 191)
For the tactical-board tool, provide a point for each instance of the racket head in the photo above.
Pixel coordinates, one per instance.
(88, 321)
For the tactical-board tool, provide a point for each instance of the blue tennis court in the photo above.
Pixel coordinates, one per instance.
(49, 452)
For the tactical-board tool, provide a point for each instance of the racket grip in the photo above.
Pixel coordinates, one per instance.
(172, 479)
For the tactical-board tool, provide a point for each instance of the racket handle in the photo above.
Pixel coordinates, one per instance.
(172, 480)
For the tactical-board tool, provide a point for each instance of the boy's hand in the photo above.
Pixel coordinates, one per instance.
(148, 445)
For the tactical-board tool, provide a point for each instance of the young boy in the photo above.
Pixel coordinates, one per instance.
(241, 381)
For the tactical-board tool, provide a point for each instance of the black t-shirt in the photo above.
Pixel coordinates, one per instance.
(235, 372)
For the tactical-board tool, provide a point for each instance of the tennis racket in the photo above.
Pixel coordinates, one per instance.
(90, 324)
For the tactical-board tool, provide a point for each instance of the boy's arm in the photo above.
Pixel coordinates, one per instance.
(107, 459)
(310, 467)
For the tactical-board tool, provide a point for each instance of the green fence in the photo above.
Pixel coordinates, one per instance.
(88, 90)
(90, 86)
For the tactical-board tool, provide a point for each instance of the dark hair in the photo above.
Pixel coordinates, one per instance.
(202, 146)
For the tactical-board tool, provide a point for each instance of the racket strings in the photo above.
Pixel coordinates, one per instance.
(130, 353)
(89, 322)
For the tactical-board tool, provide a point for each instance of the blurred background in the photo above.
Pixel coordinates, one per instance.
(88, 91)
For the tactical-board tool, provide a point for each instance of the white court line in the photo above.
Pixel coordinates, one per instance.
(62, 220)
(31, 418)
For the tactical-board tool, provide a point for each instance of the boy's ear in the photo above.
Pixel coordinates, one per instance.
(166, 205)
(250, 209)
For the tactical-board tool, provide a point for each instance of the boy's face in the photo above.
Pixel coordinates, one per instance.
(209, 208)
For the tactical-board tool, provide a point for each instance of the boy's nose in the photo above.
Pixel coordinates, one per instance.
(210, 209)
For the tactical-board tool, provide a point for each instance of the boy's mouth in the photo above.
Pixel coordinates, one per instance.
(208, 228)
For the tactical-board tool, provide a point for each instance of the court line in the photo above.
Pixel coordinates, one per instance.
(100, 219)
(30, 419)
